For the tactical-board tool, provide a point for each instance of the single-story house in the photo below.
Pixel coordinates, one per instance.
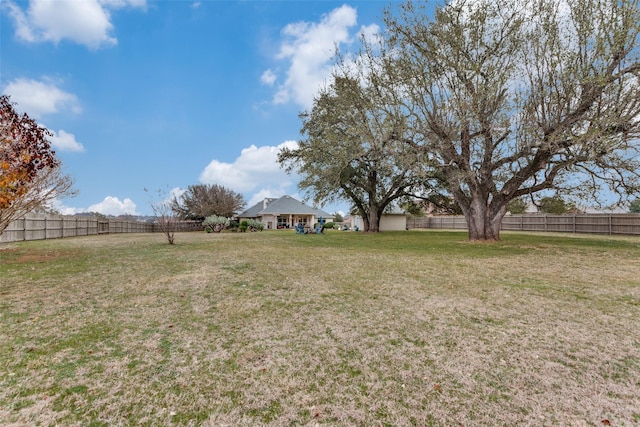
(393, 221)
(285, 212)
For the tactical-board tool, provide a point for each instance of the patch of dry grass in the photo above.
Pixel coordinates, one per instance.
(272, 328)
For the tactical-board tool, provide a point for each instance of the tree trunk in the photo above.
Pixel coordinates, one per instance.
(374, 220)
(365, 222)
(484, 221)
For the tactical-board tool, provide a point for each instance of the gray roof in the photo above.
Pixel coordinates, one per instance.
(283, 205)
(254, 210)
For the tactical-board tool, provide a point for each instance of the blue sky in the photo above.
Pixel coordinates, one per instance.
(165, 94)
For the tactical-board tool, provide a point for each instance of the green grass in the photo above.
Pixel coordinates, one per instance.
(273, 328)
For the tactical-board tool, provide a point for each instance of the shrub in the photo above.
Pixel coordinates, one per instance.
(255, 225)
(215, 223)
(329, 225)
(251, 225)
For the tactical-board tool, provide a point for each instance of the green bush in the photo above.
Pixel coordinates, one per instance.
(255, 225)
(251, 225)
(215, 223)
(517, 206)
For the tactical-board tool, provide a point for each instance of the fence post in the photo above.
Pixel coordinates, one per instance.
(574, 222)
(610, 225)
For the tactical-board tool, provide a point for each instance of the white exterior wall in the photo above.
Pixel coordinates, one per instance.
(356, 221)
(269, 221)
(393, 223)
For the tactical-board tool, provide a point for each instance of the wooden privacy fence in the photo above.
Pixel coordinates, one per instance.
(45, 226)
(568, 223)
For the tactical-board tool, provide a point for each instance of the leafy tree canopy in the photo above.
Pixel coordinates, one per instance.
(517, 206)
(203, 200)
(216, 223)
(483, 102)
(357, 147)
(634, 206)
(30, 175)
(555, 205)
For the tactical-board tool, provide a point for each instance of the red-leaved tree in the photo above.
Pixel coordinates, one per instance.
(29, 170)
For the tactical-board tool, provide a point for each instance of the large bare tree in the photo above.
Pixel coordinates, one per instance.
(515, 98)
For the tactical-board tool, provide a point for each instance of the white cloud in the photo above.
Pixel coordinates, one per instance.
(109, 206)
(174, 193)
(371, 33)
(256, 169)
(268, 78)
(309, 48)
(113, 206)
(118, 4)
(283, 96)
(38, 98)
(86, 22)
(274, 193)
(261, 195)
(64, 141)
(58, 206)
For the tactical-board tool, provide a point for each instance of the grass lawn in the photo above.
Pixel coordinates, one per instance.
(273, 328)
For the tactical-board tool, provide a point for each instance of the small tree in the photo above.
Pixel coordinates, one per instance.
(166, 221)
(30, 175)
(556, 205)
(634, 206)
(216, 223)
(203, 200)
(413, 207)
(517, 206)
